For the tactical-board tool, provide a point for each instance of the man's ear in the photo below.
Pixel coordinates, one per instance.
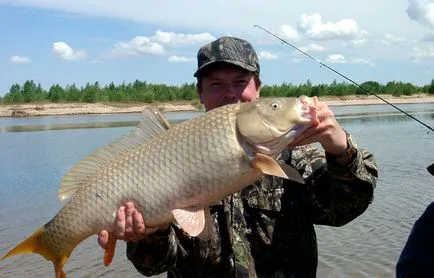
(199, 91)
(258, 85)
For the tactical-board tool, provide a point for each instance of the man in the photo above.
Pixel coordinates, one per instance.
(266, 230)
(417, 257)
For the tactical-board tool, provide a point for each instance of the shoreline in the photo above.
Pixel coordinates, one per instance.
(61, 109)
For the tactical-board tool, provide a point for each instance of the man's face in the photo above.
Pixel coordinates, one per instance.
(227, 84)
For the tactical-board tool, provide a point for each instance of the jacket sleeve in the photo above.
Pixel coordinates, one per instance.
(338, 194)
(416, 259)
(156, 253)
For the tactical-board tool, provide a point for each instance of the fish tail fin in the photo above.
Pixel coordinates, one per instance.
(35, 244)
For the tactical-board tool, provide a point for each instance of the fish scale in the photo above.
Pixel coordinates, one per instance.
(171, 175)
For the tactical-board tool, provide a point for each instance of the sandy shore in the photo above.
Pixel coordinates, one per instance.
(51, 109)
(57, 109)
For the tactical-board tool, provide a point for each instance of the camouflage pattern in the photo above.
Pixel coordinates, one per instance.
(229, 50)
(267, 229)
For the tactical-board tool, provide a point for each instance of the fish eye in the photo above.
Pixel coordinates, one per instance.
(275, 105)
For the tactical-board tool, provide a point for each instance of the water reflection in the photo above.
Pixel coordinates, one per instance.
(386, 117)
(27, 128)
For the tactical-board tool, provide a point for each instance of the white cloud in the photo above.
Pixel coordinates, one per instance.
(391, 39)
(179, 39)
(136, 46)
(340, 59)
(336, 58)
(429, 37)
(19, 59)
(65, 52)
(357, 43)
(422, 12)
(313, 27)
(266, 55)
(313, 47)
(362, 61)
(425, 53)
(180, 59)
(154, 45)
(289, 32)
(174, 13)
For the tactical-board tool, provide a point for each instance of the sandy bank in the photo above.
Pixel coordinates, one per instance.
(368, 100)
(55, 109)
(52, 109)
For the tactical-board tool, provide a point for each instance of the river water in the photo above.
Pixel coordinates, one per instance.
(36, 152)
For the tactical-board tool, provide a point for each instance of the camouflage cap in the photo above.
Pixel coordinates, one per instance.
(228, 50)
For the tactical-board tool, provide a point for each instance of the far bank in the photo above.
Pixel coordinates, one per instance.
(57, 109)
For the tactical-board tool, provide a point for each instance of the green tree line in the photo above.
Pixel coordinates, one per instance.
(141, 91)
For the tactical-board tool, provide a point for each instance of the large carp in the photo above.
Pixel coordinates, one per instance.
(171, 174)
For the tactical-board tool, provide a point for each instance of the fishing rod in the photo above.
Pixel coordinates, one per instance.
(345, 77)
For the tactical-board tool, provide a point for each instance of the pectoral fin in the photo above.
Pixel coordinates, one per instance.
(192, 219)
(292, 173)
(270, 166)
(110, 249)
(267, 165)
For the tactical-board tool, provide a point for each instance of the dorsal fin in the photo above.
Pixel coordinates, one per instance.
(152, 123)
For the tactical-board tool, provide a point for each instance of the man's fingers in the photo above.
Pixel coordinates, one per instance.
(103, 238)
(120, 223)
(129, 225)
(316, 133)
(139, 224)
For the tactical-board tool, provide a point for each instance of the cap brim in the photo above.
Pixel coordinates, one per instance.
(235, 63)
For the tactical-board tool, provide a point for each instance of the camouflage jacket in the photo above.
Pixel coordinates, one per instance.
(267, 229)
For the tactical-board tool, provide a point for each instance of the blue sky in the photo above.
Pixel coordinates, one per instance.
(80, 41)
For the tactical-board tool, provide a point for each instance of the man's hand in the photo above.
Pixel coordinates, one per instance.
(129, 226)
(328, 132)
